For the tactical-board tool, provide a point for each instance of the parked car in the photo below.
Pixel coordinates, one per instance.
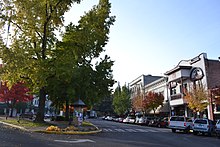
(204, 126)
(132, 119)
(109, 118)
(162, 122)
(129, 119)
(103, 117)
(180, 123)
(126, 119)
(47, 116)
(217, 128)
(141, 121)
(153, 122)
(120, 119)
(29, 115)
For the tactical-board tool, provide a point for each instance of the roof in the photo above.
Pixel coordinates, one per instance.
(79, 103)
(177, 68)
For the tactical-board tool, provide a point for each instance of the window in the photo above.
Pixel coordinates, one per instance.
(201, 121)
(173, 91)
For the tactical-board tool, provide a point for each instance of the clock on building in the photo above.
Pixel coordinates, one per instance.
(196, 74)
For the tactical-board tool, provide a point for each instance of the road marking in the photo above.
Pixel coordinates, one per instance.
(120, 130)
(135, 130)
(153, 130)
(108, 130)
(142, 130)
(75, 141)
(130, 130)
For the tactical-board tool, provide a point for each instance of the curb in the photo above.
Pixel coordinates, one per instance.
(14, 126)
(70, 133)
(54, 132)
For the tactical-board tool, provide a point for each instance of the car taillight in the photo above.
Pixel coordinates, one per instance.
(184, 124)
(208, 126)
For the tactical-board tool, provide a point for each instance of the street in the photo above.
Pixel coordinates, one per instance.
(113, 134)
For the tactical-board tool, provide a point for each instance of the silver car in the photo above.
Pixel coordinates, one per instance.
(203, 126)
(217, 128)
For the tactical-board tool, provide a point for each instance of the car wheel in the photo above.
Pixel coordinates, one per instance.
(187, 130)
(195, 133)
(174, 130)
(210, 134)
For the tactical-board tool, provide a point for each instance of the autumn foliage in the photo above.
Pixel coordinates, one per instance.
(137, 102)
(153, 100)
(17, 93)
(197, 98)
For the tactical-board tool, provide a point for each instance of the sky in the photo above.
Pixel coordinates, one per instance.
(152, 36)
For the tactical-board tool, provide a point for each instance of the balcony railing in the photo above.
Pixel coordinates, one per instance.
(176, 96)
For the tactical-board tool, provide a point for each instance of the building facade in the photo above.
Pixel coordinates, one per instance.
(187, 73)
(196, 71)
(138, 90)
(159, 86)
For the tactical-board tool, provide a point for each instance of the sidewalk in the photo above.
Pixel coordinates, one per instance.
(62, 125)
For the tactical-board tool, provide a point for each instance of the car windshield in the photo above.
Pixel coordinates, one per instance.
(177, 118)
(200, 121)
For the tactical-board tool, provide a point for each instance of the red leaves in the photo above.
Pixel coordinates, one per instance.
(17, 93)
(153, 100)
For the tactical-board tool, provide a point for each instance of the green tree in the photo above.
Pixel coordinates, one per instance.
(30, 51)
(81, 45)
(121, 100)
(27, 50)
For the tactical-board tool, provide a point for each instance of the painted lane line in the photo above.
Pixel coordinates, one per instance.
(130, 130)
(75, 141)
(119, 130)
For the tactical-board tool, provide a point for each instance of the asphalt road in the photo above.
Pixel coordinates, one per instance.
(113, 135)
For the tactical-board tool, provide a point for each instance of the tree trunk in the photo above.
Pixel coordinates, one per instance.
(154, 112)
(41, 107)
(67, 109)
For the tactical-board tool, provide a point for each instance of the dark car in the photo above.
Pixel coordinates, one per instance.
(29, 115)
(162, 122)
(153, 122)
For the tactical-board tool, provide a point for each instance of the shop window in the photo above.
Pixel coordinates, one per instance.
(217, 107)
(173, 91)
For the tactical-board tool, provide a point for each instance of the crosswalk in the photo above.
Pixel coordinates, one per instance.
(136, 130)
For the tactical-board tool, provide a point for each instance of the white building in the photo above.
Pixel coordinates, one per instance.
(160, 86)
(198, 70)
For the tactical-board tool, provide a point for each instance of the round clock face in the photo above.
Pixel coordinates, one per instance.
(196, 74)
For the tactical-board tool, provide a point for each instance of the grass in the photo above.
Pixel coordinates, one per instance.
(25, 123)
(30, 124)
(86, 123)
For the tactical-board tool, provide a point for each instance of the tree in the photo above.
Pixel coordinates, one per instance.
(17, 93)
(137, 101)
(153, 100)
(76, 77)
(105, 106)
(121, 100)
(31, 52)
(197, 98)
(26, 50)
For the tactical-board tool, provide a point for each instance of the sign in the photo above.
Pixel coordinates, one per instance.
(196, 74)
